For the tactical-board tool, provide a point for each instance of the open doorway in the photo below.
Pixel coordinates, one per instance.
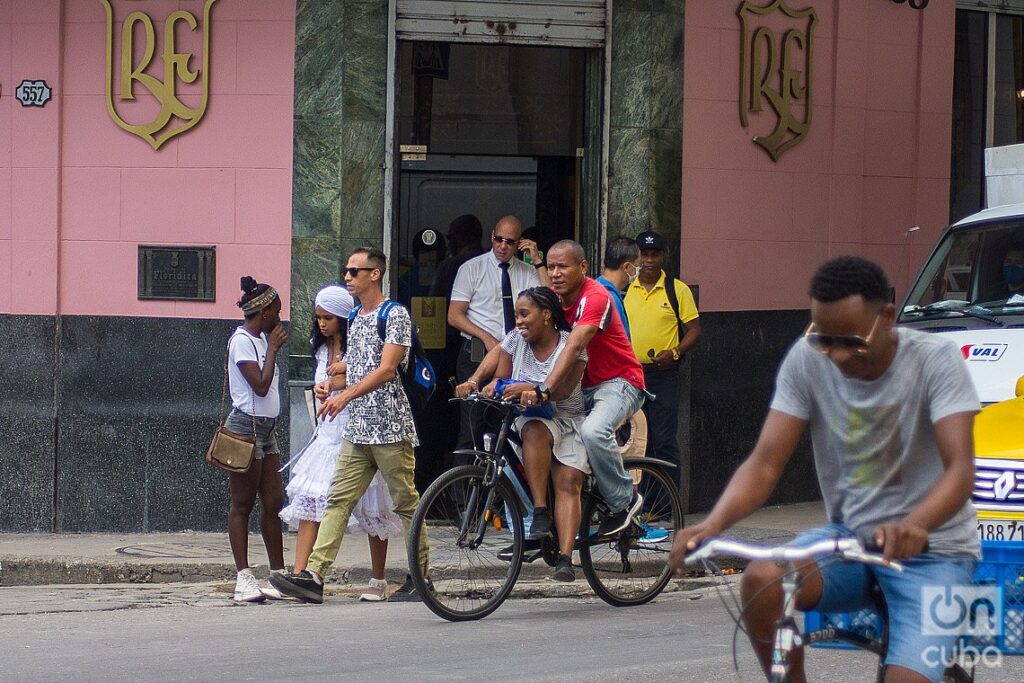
(484, 131)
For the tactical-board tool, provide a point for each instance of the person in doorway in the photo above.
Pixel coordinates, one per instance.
(482, 304)
(621, 256)
(552, 441)
(255, 405)
(314, 466)
(891, 412)
(665, 326)
(464, 236)
(379, 435)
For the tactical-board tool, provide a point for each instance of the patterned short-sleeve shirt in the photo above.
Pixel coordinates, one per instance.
(383, 415)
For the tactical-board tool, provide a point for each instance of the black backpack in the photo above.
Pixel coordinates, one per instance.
(418, 379)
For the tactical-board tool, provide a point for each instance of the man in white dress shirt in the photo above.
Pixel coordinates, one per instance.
(482, 305)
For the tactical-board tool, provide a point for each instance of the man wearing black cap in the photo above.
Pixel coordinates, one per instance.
(664, 326)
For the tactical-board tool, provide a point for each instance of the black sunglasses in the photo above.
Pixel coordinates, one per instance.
(354, 272)
(506, 240)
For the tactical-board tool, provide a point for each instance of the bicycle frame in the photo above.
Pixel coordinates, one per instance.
(506, 459)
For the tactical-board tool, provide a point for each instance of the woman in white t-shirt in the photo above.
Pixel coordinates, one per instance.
(313, 467)
(255, 405)
(552, 445)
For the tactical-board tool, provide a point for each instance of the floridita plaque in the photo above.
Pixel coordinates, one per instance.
(177, 273)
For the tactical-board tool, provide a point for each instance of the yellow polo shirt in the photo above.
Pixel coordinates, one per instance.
(652, 323)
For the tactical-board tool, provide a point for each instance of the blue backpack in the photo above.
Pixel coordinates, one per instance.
(418, 379)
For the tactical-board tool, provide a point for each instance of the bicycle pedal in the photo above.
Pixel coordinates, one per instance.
(527, 558)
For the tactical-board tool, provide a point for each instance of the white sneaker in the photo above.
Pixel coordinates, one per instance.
(246, 588)
(375, 592)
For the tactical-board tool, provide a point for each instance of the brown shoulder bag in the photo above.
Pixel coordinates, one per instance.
(229, 451)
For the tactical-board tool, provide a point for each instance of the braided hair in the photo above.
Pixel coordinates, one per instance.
(544, 299)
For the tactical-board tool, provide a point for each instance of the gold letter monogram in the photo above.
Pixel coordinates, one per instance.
(175, 66)
(768, 72)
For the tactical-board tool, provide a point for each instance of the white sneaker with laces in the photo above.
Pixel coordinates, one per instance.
(247, 589)
(375, 592)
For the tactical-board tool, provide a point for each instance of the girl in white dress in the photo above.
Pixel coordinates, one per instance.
(313, 467)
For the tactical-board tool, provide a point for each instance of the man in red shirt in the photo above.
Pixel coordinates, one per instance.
(613, 383)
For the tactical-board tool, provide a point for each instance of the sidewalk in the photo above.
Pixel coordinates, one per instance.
(44, 559)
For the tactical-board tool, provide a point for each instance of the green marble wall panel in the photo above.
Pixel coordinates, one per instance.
(629, 186)
(646, 117)
(364, 95)
(319, 51)
(337, 189)
(631, 69)
(316, 205)
(362, 179)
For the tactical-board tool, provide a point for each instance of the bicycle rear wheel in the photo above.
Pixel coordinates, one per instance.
(631, 567)
(468, 524)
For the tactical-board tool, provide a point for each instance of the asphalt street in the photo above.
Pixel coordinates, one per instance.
(194, 632)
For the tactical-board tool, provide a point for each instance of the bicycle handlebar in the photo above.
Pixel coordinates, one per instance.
(476, 397)
(844, 548)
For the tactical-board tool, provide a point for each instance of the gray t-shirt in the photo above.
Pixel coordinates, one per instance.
(874, 442)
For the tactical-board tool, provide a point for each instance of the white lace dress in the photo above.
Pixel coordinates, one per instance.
(313, 468)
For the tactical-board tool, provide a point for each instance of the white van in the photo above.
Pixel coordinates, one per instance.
(971, 291)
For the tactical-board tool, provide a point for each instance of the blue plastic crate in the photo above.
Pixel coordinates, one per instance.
(1002, 566)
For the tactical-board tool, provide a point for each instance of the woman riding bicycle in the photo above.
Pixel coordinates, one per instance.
(550, 428)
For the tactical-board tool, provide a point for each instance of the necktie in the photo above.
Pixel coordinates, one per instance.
(506, 298)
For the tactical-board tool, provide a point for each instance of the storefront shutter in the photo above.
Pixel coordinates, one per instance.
(571, 23)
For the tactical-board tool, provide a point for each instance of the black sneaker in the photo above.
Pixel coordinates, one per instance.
(531, 549)
(407, 592)
(541, 526)
(302, 586)
(616, 522)
(564, 570)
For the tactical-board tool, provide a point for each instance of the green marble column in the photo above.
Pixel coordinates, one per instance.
(645, 136)
(338, 177)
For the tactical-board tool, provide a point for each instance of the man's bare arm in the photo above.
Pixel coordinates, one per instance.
(574, 346)
(459, 319)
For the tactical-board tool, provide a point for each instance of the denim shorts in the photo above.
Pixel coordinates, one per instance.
(241, 423)
(846, 587)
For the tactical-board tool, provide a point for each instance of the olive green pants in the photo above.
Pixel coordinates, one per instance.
(357, 465)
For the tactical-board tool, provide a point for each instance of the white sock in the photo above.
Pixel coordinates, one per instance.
(247, 570)
(316, 577)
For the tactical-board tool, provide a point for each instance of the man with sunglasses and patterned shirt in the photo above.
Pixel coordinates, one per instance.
(890, 412)
(483, 301)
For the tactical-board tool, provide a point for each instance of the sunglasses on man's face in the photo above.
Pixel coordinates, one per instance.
(826, 343)
(354, 272)
(506, 240)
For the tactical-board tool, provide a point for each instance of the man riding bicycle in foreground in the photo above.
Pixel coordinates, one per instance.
(891, 413)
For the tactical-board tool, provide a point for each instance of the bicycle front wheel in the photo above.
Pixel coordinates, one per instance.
(631, 567)
(476, 541)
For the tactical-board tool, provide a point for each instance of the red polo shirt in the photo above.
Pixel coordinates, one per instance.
(611, 354)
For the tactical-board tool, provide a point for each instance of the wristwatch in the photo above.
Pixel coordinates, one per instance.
(675, 354)
(541, 264)
(543, 393)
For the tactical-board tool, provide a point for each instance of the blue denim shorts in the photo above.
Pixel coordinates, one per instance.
(241, 423)
(846, 587)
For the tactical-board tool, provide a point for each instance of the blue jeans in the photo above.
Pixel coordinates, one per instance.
(610, 404)
(846, 587)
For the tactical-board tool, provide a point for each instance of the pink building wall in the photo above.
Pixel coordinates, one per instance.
(79, 194)
(874, 163)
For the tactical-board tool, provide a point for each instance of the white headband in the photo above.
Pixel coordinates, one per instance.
(335, 300)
